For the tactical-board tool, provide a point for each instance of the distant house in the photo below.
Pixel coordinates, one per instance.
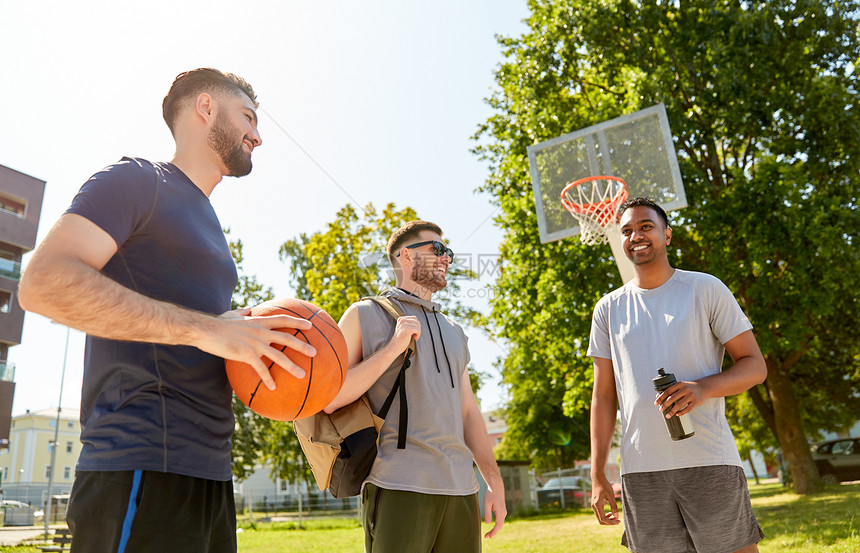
(25, 466)
(496, 426)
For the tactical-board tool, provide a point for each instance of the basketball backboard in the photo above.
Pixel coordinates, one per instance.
(636, 147)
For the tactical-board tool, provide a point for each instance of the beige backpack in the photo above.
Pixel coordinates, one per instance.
(341, 447)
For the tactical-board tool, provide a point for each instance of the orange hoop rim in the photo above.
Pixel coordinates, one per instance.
(591, 208)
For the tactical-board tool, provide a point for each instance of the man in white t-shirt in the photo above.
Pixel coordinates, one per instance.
(690, 494)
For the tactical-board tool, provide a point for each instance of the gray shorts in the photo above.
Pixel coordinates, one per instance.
(699, 509)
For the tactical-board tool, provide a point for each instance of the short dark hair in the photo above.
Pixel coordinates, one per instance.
(408, 232)
(191, 84)
(644, 202)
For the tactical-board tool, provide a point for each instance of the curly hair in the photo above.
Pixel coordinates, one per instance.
(644, 202)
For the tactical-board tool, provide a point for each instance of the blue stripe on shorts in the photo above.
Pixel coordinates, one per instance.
(132, 510)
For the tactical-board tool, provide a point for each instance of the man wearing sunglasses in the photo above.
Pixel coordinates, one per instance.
(423, 496)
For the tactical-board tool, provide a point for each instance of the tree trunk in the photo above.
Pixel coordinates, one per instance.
(789, 430)
(763, 407)
(752, 466)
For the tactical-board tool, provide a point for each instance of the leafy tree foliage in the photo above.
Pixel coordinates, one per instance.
(762, 102)
(338, 267)
(347, 262)
(259, 441)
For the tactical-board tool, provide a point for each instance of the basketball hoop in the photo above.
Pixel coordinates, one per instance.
(593, 202)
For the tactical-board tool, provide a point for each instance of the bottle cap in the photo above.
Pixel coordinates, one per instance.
(663, 378)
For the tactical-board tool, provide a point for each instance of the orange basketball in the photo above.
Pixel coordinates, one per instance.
(295, 398)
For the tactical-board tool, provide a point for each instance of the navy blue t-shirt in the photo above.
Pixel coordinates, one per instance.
(150, 406)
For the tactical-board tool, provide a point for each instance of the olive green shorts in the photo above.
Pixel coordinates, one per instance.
(396, 521)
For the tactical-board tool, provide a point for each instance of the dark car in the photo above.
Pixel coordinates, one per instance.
(549, 495)
(837, 460)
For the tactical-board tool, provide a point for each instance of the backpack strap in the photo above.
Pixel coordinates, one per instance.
(399, 384)
(393, 309)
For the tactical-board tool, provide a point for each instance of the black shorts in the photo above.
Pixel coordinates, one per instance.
(143, 511)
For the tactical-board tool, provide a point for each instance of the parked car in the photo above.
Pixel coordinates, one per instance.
(13, 503)
(549, 495)
(837, 460)
(17, 513)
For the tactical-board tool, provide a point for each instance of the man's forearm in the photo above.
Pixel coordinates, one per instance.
(478, 441)
(603, 415)
(78, 296)
(362, 376)
(476, 437)
(738, 378)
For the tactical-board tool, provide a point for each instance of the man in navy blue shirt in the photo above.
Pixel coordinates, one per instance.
(140, 263)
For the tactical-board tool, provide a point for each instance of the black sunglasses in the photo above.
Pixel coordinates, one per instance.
(439, 248)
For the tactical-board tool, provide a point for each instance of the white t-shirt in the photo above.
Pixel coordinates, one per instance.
(681, 327)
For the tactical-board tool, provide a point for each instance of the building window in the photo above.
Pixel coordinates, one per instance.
(67, 473)
(68, 447)
(284, 485)
(5, 473)
(48, 471)
(71, 424)
(15, 206)
(5, 301)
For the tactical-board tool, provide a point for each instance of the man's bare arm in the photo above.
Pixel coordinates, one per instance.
(748, 370)
(604, 406)
(362, 372)
(478, 441)
(62, 281)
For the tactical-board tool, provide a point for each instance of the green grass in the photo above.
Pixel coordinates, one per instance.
(569, 532)
(314, 536)
(827, 522)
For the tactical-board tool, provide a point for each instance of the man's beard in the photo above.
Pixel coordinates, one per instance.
(233, 155)
(655, 253)
(428, 277)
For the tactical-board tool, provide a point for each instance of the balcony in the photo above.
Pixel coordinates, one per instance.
(7, 371)
(10, 269)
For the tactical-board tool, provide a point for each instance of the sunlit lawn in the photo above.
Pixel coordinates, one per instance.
(823, 523)
(826, 522)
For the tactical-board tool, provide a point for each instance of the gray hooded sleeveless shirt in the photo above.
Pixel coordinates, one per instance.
(436, 459)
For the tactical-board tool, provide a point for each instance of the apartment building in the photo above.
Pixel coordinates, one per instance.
(20, 208)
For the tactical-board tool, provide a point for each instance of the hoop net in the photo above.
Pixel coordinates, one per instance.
(593, 202)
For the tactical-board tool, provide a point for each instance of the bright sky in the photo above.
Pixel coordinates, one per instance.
(379, 98)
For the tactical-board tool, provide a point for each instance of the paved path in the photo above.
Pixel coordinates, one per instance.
(14, 535)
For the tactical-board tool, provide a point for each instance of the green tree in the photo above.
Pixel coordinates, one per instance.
(337, 267)
(762, 102)
(258, 440)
